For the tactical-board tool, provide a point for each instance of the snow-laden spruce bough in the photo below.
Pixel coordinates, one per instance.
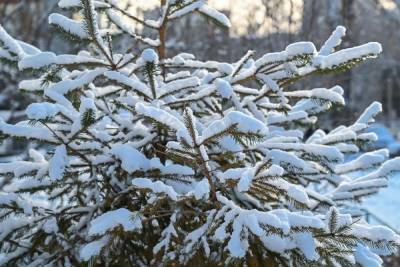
(152, 160)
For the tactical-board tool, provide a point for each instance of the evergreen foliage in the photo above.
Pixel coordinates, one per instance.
(157, 160)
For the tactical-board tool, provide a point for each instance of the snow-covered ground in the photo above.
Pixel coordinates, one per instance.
(386, 139)
(386, 204)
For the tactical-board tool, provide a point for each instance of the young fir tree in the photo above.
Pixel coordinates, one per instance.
(171, 161)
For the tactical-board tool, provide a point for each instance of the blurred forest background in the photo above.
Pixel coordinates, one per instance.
(260, 25)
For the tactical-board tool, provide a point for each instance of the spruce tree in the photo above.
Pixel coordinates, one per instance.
(151, 159)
